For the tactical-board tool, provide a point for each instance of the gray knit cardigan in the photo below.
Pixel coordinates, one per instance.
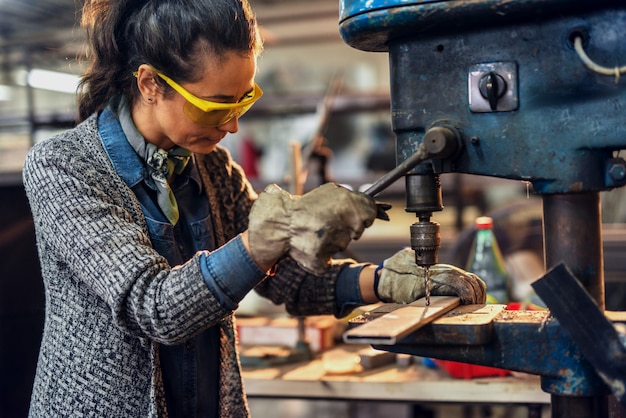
(111, 299)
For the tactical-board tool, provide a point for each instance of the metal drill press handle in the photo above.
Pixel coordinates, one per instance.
(438, 142)
(404, 167)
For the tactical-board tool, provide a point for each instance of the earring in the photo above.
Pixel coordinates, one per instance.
(150, 99)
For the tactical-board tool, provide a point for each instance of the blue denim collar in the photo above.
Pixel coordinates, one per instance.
(124, 158)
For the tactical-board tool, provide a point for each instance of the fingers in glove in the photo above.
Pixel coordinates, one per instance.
(364, 211)
(344, 211)
(381, 211)
(268, 226)
(450, 280)
(403, 281)
(403, 262)
(324, 221)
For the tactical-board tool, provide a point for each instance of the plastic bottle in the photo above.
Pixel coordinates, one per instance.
(486, 261)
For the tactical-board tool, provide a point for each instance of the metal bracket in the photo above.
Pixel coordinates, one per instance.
(587, 325)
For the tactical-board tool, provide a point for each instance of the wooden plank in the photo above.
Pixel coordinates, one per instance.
(393, 326)
(616, 316)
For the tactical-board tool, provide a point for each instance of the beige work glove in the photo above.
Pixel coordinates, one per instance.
(403, 281)
(311, 227)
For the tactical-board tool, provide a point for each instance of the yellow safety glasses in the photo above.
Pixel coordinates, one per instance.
(211, 114)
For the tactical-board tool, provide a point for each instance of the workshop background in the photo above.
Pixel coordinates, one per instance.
(314, 84)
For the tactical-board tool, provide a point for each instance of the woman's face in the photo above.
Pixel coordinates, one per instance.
(162, 120)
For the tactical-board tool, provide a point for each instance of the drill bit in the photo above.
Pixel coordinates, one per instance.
(427, 272)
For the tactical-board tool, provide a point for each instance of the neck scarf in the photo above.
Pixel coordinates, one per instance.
(161, 164)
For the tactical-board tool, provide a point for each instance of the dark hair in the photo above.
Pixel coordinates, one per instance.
(172, 35)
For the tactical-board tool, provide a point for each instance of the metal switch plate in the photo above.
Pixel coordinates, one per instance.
(494, 74)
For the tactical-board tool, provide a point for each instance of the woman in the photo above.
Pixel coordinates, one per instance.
(146, 229)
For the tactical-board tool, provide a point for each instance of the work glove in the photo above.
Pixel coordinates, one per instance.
(311, 227)
(401, 280)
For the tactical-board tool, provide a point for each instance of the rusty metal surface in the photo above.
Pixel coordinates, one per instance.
(490, 335)
(525, 341)
(467, 324)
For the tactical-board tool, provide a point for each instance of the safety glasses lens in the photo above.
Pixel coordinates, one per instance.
(213, 118)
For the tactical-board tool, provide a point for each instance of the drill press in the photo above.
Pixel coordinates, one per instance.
(510, 82)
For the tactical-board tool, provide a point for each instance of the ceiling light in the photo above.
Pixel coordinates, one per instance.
(5, 93)
(53, 80)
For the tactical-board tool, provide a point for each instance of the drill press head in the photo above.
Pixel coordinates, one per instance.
(423, 194)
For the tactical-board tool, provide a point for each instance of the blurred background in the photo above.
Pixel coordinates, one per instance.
(317, 91)
(42, 54)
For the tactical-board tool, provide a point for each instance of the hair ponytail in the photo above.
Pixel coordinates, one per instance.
(103, 79)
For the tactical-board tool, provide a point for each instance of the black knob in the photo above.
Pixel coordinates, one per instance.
(492, 87)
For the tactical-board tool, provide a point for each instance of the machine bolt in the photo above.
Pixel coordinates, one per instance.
(441, 142)
(617, 171)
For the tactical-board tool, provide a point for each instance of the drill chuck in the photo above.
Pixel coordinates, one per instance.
(425, 241)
